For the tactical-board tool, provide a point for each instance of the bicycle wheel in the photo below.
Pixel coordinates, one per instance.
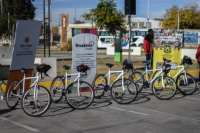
(98, 85)
(14, 94)
(138, 79)
(166, 92)
(186, 83)
(56, 89)
(125, 96)
(36, 101)
(79, 95)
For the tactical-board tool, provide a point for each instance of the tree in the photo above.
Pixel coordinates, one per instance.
(15, 10)
(55, 30)
(106, 16)
(189, 17)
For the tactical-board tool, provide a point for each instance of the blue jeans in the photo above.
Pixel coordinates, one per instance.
(148, 59)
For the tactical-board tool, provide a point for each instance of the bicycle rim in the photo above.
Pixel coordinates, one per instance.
(186, 84)
(56, 90)
(36, 106)
(124, 96)
(138, 79)
(13, 94)
(164, 92)
(79, 96)
(98, 85)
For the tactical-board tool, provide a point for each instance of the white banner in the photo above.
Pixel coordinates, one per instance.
(84, 51)
(25, 44)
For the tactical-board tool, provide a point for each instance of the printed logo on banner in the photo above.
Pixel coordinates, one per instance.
(88, 46)
(27, 39)
(167, 49)
(91, 42)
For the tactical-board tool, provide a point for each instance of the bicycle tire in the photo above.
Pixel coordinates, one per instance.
(36, 107)
(56, 89)
(127, 73)
(127, 96)
(139, 81)
(12, 96)
(164, 93)
(82, 101)
(99, 86)
(186, 88)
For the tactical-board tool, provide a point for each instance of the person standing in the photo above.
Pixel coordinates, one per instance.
(147, 45)
(198, 59)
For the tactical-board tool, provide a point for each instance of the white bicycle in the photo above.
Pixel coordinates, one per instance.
(36, 100)
(185, 82)
(163, 86)
(122, 90)
(79, 94)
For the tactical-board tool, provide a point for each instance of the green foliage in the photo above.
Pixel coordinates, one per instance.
(55, 30)
(189, 17)
(18, 10)
(106, 16)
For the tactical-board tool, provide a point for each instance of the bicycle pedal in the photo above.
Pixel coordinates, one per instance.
(32, 103)
(106, 88)
(63, 93)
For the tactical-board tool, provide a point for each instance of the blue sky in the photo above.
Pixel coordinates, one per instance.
(156, 8)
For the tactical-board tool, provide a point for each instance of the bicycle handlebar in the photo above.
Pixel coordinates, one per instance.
(166, 61)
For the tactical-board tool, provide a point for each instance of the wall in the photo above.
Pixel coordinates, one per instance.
(5, 52)
(189, 52)
(134, 51)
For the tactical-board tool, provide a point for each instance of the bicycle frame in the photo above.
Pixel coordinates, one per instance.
(109, 76)
(78, 75)
(23, 83)
(181, 70)
(147, 77)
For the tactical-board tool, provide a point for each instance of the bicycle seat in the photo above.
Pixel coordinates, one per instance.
(43, 68)
(82, 68)
(109, 65)
(66, 67)
(23, 70)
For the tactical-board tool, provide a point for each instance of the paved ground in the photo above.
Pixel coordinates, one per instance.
(146, 115)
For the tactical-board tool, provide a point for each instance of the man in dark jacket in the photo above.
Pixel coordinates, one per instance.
(198, 59)
(147, 45)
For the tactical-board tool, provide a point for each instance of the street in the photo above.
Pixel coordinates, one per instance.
(145, 115)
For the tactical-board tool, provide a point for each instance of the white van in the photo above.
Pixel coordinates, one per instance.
(137, 38)
(105, 41)
(136, 41)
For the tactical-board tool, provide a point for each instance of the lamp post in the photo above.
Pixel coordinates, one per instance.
(147, 14)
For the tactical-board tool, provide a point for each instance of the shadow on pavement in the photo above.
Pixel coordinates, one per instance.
(101, 102)
(142, 98)
(58, 109)
(4, 111)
